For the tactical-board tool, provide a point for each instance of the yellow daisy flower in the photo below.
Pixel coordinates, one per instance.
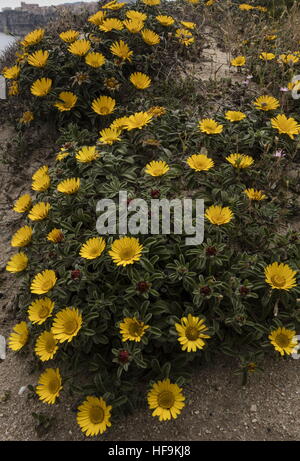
(191, 333)
(284, 340)
(80, 47)
(67, 324)
(219, 215)
(13, 88)
(69, 36)
(188, 24)
(40, 172)
(294, 85)
(109, 136)
(69, 186)
(280, 276)
(267, 56)
(22, 237)
(126, 250)
(27, 117)
(140, 80)
(19, 336)
(92, 248)
(95, 59)
(271, 37)
(122, 50)
(11, 72)
(239, 61)
(41, 87)
(49, 385)
(113, 5)
(200, 162)
(67, 100)
(93, 416)
(286, 125)
(55, 236)
(39, 211)
(210, 126)
(119, 123)
(87, 154)
(97, 18)
(234, 115)
(246, 7)
(157, 168)
(111, 24)
(151, 2)
(288, 59)
(38, 59)
(185, 36)
(23, 203)
(41, 184)
(166, 399)
(39, 310)
(17, 263)
(59, 157)
(254, 194)
(150, 37)
(43, 282)
(138, 120)
(133, 25)
(46, 346)
(240, 160)
(104, 105)
(132, 14)
(266, 103)
(156, 111)
(165, 20)
(33, 37)
(132, 329)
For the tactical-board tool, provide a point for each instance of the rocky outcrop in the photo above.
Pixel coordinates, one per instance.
(19, 21)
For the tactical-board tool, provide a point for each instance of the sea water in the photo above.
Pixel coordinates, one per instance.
(5, 40)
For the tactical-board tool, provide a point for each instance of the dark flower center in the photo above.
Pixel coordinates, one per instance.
(205, 290)
(192, 333)
(97, 415)
(282, 340)
(166, 399)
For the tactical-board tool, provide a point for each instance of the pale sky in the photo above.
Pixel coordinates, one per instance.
(15, 3)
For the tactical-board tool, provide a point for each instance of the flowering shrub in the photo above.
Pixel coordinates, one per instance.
(115, 312)
(102, 67)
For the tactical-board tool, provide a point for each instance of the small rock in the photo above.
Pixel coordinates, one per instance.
(22, 390)
(254, 420)
(196, 412)
(253, 408)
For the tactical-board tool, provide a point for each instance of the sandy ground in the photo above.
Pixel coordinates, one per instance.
(218, 407)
